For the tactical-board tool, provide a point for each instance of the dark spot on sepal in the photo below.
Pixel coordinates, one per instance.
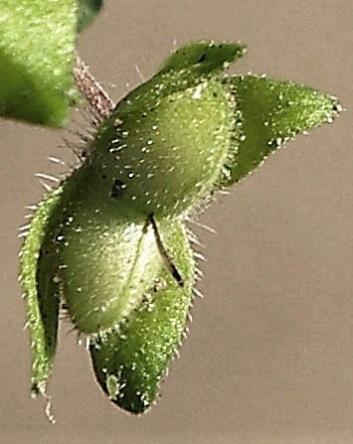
(117, 188)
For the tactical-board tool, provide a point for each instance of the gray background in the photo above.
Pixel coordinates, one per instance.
(270, 356)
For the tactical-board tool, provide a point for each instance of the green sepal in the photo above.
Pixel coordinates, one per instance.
(204, 57)
(103, 257)
(273, 112)
(131, 360)
(37, 40)
(87, 11)
(41, 294)
(186, 68)
(185, 136)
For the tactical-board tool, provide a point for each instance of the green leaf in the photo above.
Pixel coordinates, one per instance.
(273, 112)
(131, 361)
(36, 57)
(204, 57)
(41, 295)
(87, 11)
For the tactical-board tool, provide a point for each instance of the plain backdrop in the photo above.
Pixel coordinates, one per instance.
(270, 355)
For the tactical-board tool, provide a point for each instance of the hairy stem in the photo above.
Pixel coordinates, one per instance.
(99, 101)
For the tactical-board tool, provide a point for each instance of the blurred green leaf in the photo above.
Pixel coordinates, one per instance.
(36, 56)
(37, 42)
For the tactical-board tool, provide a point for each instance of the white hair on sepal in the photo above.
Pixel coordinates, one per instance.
(200, 225)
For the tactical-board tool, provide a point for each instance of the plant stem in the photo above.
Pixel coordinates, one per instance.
(99, 102)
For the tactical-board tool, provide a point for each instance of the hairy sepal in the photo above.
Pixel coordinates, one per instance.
(168, 152)
(186, 68)
(103, 258)
(273, 112)
(41, 294)
(203, 58)
(131, 360)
